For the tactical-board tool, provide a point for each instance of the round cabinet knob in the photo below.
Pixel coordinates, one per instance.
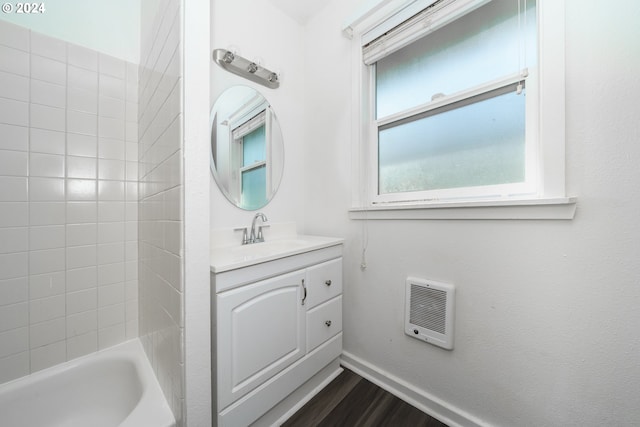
(328, 283)
(328, 323)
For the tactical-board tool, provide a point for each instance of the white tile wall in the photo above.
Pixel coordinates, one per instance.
(15, 36)
(14, 86)
(14, 112)
(160, 194)
(14, 61)
(67, 225)
(82, 145)
(14, 341)
(14, 366)
(83, 78)
(49, 94)
(49, 70)
(14, 137)
(47, 141)
(49, 165)
(14, 290)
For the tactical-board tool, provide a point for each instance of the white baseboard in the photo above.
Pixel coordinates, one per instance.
(427, 403)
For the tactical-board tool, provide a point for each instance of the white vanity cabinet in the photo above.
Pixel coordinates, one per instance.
(277, 324)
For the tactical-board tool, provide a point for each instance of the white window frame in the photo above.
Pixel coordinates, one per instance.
(545, 100)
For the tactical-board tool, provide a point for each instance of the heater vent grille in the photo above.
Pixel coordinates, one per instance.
(429, 311)
(428, 308)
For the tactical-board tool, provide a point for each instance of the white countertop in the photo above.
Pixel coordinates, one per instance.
(234, 257)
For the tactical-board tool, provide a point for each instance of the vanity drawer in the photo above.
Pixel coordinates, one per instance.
(323, 322)
(324, 281)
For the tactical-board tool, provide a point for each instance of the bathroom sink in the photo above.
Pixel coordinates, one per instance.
(274, 247)
(233, 257)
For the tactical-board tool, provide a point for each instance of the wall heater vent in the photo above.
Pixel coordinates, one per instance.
(429, 311)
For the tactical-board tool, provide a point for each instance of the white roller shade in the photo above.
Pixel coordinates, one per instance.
(410, 24)
(249, 126)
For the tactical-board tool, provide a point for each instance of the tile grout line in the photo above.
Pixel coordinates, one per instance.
(66, 196)
(97, 198)
(29, 207)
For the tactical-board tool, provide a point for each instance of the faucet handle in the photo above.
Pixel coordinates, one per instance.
(260, 237)
(245, 237)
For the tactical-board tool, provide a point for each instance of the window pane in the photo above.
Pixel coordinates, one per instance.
(477, 144)
(254, 188)
(477, 48)
(253, 148)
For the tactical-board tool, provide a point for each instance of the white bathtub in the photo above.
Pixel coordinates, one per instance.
(115, 387)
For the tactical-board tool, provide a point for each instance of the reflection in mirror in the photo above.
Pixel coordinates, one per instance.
(247, 153)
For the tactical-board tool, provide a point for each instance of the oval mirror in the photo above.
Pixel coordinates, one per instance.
(247, 150)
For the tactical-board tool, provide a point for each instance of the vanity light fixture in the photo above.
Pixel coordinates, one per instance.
(242, 67)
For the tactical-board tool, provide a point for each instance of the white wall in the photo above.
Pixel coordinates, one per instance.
(86, 23)
(546, 322)
(262, 33)
(68, 201)
(197, 322)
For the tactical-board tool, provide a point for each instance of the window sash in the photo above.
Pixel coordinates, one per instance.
(421, 153)
(528, 188)
(467, 95)
(254, 165)
(249, 176)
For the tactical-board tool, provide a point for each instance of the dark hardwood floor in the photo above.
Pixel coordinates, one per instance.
(352, 401)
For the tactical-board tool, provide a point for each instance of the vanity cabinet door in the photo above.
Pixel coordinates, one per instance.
(261, 331)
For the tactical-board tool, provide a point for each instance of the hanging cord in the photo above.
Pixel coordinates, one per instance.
(364, 197)
(522, 42)
(524, 34)
(364, 169)
(365, 241)
(519, 37)
(364, 166)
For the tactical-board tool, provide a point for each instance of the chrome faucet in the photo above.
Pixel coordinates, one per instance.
(259, 238)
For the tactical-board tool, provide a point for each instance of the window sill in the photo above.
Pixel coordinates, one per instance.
(552, 208)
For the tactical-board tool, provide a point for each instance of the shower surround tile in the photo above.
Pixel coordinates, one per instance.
(13, 189)
(14, 163)
(82, 57)
(14, 61)
(14, 86)
(48, 47)
(47, 141)
(49, 70)
(15, 36)
(159, 191)
(13, 291)
(13, 112)
(49, 94)
(14, 138)
(66, 224)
